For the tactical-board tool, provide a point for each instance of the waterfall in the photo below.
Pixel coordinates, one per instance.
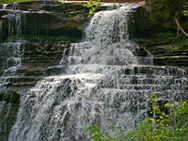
(14, 19)
(4, 6)
(1, 28)
(108, 83)
(11, 54)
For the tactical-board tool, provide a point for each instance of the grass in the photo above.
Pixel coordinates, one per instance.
(50, 38)
(11, 1)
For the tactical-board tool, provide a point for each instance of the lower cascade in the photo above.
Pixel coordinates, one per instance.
(108, 82)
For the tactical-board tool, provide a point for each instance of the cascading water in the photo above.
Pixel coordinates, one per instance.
(107, 83)
(14, 20)
(11, 56)
(11, 53)
(1, 28)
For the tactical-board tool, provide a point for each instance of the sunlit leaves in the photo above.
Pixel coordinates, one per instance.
(92, 5)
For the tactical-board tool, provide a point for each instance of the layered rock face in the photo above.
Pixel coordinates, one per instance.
(156, 28)
(43, 18)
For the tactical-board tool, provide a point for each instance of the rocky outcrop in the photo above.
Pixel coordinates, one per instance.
(162, 12)
(156, 18)
(164, 53)
(43, 18)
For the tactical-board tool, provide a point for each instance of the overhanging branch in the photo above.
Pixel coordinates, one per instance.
(178, 25)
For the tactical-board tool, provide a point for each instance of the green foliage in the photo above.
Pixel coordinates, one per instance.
(173, 38)
(92, 5)
(185, 12)
(186, 43)
(50, 38)
(166, 35)
(12, 1)
(162, 126)
(177, 38)
(98, 135)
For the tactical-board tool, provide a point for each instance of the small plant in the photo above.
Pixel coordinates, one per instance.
(161, 126)
(92, 5)
(177, 38)
(166, 35)
(185, 12)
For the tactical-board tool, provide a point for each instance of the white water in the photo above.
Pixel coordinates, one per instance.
(5, 6)
(12, 61)
(104, 85)
(1, 28)
(14, 19)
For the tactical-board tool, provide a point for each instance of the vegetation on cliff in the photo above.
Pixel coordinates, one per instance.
(11, 1)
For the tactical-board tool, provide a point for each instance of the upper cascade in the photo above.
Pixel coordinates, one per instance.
(107, 41)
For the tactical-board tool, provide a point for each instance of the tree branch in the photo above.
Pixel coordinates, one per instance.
(178, 25)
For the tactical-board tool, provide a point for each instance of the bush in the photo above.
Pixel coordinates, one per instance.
(161, 126)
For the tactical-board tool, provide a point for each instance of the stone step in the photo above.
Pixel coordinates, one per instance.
(133, 92)
(152, 87)
(22, 85)
(41, 56)
(172, 60)
(21, 81)
(25, 79)
(54, 70)
(42, 61)
(30, 72)
(155, 71)
(136, 70)
(121, 82)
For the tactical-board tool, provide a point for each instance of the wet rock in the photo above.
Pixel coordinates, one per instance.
(44, 18)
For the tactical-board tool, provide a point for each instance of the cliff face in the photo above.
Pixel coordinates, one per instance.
(157, 31)
(162, 12)
(47, 19)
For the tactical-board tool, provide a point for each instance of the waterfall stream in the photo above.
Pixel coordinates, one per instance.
(11, 53)
(108, 83)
